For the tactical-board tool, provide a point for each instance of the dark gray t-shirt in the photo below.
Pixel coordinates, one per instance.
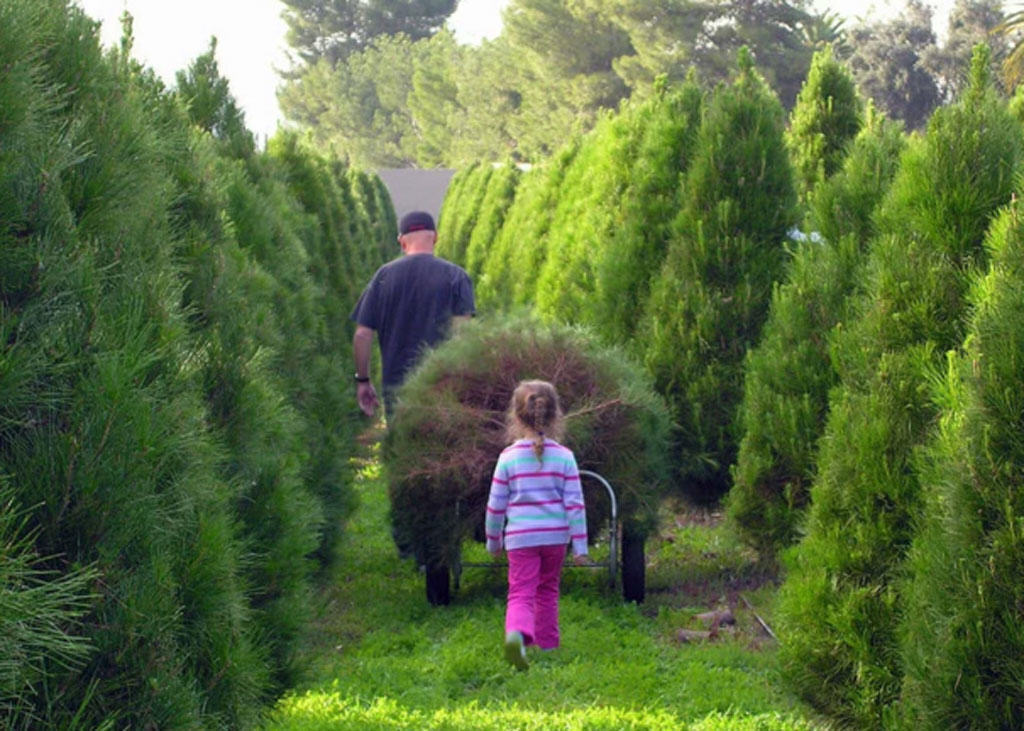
(410, 303)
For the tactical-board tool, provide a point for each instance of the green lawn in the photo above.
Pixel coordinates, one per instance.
(384, 659)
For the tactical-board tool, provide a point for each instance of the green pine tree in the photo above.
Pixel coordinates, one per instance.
(106, 438)
(167, 334)
(628, 262)
(841, 606)
(962, 648)
(501, 191)
(825, 119)
(710, 299)
(448, 217)
(526, 233)
(460, 218)
(788, 375)
(41, 610)
(585, 218)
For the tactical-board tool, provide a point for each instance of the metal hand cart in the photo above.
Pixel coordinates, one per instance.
(611, 565)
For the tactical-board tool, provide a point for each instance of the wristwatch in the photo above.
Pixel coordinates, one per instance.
(361, 379)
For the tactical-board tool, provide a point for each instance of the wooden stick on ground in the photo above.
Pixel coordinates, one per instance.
(758, 618)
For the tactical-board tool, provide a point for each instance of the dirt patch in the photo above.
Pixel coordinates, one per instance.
(697, 569)
(684, 516)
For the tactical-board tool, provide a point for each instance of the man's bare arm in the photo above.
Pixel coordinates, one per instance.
(362, 347)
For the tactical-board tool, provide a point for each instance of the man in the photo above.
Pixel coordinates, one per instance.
(410, 304)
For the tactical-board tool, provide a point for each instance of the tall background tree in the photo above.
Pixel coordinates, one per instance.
(352, 78)
(888, 64)
(970, 22)
(668, 37)
(386, 84)
(565, 54)
(408, 94)
(1012, 30)
(333, 30)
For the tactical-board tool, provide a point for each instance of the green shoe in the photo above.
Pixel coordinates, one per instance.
(515, 650)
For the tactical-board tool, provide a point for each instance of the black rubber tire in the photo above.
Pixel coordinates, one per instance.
(634, 569)
(438, 581)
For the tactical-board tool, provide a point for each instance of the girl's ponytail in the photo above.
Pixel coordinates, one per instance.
(537, 406)
(535, 413)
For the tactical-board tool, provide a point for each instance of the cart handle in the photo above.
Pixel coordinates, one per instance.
(608, 487)
(613, 527)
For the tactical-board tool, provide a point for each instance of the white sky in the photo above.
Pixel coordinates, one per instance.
(251, 45)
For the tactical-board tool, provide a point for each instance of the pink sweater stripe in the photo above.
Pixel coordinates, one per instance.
(533, 530)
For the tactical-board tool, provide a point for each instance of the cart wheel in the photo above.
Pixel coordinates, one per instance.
(633, 569)
(438, 586)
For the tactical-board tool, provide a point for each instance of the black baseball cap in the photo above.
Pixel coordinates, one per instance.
(416, 221)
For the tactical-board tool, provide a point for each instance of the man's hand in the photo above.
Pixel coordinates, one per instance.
(581, 559)
(367, 397)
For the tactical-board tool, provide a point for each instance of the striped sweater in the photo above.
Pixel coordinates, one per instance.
(535, 503)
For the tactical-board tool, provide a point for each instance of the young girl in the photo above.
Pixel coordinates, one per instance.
(535, 508)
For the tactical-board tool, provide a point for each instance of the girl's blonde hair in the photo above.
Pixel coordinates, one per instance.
(534, 412)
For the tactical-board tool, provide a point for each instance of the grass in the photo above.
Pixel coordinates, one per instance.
(384, 659)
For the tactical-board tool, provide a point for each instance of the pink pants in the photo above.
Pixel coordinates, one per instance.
(533, 577)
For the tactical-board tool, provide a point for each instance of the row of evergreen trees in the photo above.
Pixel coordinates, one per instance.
(831, 309)
(175, 426)
(857, 611)
(663, 229)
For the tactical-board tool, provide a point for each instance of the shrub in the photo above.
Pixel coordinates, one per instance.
(632, 254)
(584, 218)
(826, 117)
(711, 296)
(522, 245)
(963, 651)
(449, 427)
(462, 218)
(449, 218)
(501, 190)
(40, 609)
(107, 432)
(840, 605)
(787, 377)
(159, 330)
